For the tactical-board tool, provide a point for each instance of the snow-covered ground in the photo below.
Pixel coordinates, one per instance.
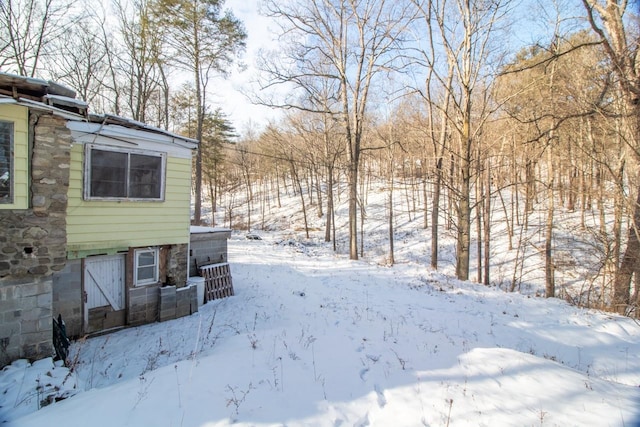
(313, 339)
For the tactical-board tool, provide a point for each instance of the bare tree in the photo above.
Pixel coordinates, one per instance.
(608, 21)
(464, 31)
(27, 30)
(81, 60)
(347, 42)
(205, 40)
(141, 60)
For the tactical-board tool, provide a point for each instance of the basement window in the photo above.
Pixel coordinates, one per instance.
(146, 266)
(117, 174)
(6, 162)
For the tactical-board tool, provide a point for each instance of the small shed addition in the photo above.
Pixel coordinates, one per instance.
(208, 262)
(207, 245)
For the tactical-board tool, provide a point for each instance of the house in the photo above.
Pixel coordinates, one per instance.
(94, 219)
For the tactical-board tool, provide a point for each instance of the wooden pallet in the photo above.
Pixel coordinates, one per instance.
(217, 281)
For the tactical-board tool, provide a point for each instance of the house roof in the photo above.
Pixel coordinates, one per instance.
(31, 87)
(49, 96)
(108, 119)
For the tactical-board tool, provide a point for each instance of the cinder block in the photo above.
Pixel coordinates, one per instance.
(9, 330)
(45, 300)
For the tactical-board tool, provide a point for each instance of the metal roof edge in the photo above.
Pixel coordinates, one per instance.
(40, 106)
(136, 125)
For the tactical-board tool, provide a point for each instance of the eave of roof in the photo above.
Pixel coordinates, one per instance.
(106, 119)
(36, 87)
(35, 105)
(107, 125)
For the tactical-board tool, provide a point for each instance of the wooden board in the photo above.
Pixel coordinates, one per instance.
(217, 281)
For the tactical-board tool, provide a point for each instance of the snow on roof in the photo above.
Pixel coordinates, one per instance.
(60, 100)
(31, 86)
(66, 100)
(197, 229)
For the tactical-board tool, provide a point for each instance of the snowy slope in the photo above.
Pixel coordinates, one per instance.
(313, 339)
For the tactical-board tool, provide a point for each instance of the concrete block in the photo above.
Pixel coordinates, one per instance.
(11, 329)
(45, 300)
(31, 289)
(29, 326)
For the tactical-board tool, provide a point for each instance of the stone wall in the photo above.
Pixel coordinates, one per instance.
(177, 265)
(34, 246)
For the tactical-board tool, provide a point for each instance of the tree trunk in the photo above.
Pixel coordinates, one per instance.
(548, 256)
(464, 221)
(630, 263)
(391, 255)
(318, 187)
(294, 175)
(212, 196)
(487, 223)
(479, 202)
(435, 211)
(327, 231)
(425, 217)
(464, 193)
(353, 210)
(278, 187)
(197, 210)
(391, 184)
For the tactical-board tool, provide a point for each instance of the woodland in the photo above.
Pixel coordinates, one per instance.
(464, 108)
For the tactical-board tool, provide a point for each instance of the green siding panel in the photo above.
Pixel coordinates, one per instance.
(92, 225)
(20, 117)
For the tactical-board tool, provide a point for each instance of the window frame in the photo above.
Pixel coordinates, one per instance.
(88, 170)
(156, 273)
(11, 160)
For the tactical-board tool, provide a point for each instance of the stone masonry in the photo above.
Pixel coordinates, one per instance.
(33, 245)
(177, 265)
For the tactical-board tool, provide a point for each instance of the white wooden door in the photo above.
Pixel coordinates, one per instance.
(104, 282)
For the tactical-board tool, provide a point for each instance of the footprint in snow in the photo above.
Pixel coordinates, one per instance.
(382, 401)
(363, 373)
(363, 422)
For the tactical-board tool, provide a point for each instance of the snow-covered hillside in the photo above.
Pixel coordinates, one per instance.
(312, 338)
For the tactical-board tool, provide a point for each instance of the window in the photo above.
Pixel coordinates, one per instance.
(6, 162)
(112, 174)
(146, 266)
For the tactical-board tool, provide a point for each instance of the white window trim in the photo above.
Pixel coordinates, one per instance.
(87, 173)
(156, 274)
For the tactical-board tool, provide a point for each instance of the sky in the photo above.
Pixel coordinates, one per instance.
(231, 94)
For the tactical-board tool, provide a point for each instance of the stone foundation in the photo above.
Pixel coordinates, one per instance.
(34, 245)
(67, 297)
(177, 265)
(25, 310)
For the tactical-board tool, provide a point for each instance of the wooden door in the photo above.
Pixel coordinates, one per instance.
(104, 287)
